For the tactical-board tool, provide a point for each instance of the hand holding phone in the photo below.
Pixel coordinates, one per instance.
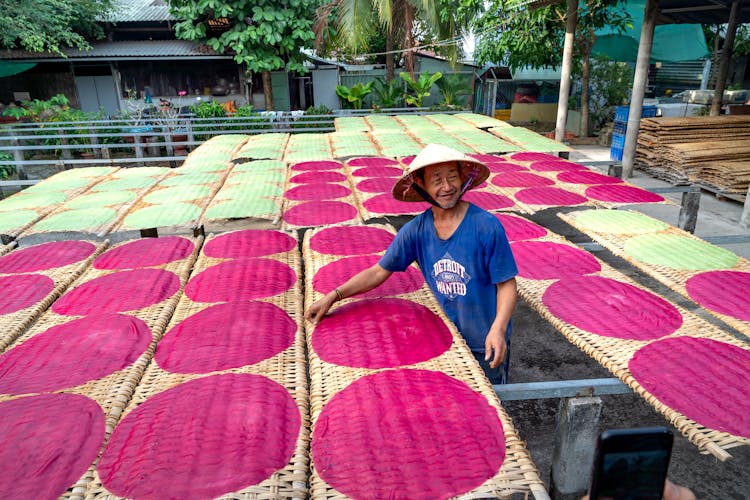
(631, 464)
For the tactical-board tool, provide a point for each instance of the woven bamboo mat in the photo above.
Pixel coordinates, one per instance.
(13, 324)
(349, 143)
(395, 142)
(73, 221)
(300, 213)
(252, 196)
(262, 147)
(307, 146)
(517, 474)
(483, 142)
(287, 368)
(481, 121)
(674, 278)
(528, 140)
(616, 353)
(351, 124)
(6, 248)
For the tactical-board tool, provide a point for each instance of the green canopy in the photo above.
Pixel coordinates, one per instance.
(10, 68)
(672, 42)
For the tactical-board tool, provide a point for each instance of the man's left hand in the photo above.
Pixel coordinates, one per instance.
(495, 348)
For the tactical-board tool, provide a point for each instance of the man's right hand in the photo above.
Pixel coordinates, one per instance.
(320, 308)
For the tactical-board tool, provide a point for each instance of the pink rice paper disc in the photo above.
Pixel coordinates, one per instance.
(145, 252)
(724, 292)
(241, 279)
(49, 441)
(518, 229)
(378, 172)
(486, 157)
(611, 308)
(226, 336)
(119, 292)
(521, 179)
(377, 185)
(586, 177)
(383, 333)
(386, 204)
(406, 160)
(46, 256)
(202, 439)
(320, 213)
(622, 194)
(407, 424)
(248, 243)
(314, 166)
(557, 166)
(501, 167)
(350, 240)
(488, 201)
(334, 274)
(317, 177)
(20, 291)
(527, 156)
(73, 353)
(373, 161)
(549, 196)
(317, 191)
(705, 380)
(545, 260)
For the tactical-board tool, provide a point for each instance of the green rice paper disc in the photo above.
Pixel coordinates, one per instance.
(179, 193)
(16, 219)
(77, 173)
(247, 207)
(260, 164)
(191, 179)
(76, 220)
(196, 168)
(125, 184)
(276, 177)
(244, 191)
(618, 222)
(102, 199)
(170, 214)
(25, 200)
(141, 172)
(62, 184)
(260, 152)
(679, 252)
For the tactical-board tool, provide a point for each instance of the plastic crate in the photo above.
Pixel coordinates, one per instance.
(622, 113)
(618, 143)
(620, 128)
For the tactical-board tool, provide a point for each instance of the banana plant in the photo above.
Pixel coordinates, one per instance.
(420, 87)
(354, 95)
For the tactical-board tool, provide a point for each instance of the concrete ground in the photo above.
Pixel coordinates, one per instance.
(540, 353)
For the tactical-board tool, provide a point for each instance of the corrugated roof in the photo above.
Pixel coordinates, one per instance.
(145, 49)
(131, 11)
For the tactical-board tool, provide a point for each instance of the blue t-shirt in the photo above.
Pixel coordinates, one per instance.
(461, 271)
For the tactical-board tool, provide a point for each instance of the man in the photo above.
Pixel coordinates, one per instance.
(462, 252)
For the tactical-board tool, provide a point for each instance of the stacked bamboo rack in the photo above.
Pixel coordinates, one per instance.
(710, 150)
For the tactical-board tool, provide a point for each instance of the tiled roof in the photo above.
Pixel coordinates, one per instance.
(124, 50)
(129, 11)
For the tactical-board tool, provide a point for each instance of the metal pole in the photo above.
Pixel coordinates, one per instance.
(567, 62)
(639, 88)
(726, 55)
(745, 218)
(18, 156)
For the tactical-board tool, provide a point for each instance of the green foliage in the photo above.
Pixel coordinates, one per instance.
(420, 87)
(354, 96)
(452, 87)
(264, 35)
(6, 170)
(610, 85)
(388, 94)
(315, 117)
(208, 109)
(50, 25)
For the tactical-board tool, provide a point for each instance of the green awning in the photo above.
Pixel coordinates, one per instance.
(10, 68)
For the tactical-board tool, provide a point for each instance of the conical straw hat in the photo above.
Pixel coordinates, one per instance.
(436, 154)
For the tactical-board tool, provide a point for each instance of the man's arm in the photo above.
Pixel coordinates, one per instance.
(494, 344)
(359, 283)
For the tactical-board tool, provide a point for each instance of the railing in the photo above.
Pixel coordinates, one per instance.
(71, 144)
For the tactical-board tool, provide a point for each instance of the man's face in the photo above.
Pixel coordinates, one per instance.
(443, 183)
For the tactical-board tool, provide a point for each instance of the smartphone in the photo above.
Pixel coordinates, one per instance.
(631, 464)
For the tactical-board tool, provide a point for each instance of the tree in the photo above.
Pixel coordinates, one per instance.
(50, 25)
(522, 37)
(263, 35)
